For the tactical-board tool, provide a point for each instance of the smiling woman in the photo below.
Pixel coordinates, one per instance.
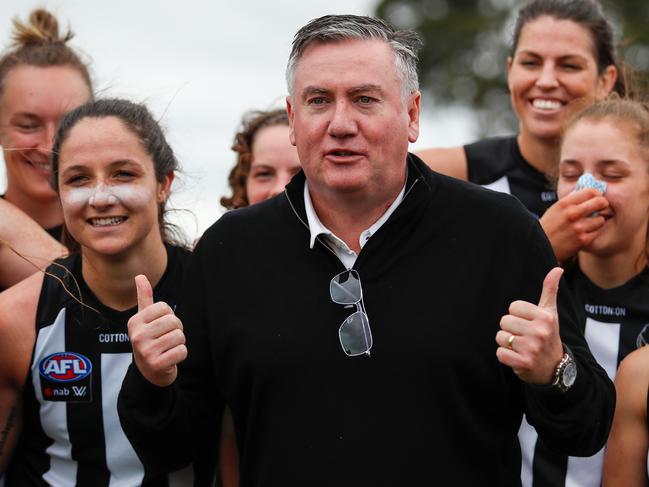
(41, 79)
(562, 57)
(112, 170)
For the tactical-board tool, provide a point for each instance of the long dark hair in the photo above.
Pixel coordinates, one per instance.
(586, 13)
(137, 118)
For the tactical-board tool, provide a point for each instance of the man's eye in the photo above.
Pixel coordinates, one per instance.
(318, 100)
(365, 100)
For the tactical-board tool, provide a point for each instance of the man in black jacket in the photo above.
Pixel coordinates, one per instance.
(387, 374)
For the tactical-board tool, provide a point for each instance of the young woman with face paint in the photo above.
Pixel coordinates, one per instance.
(609, 278)
(41, 78)
(60, 374)
(562, 52)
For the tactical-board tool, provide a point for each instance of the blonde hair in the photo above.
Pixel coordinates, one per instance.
(635, 114)
(39, 43)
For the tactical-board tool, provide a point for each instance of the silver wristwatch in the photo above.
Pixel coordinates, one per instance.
(566, 373)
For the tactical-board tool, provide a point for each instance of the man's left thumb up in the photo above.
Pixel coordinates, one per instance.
(548, 300)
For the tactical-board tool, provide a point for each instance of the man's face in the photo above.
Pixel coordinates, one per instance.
(349, 121)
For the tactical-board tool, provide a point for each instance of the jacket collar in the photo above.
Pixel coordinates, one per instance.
(421, 180)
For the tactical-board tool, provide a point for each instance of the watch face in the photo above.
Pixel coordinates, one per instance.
(569, 374)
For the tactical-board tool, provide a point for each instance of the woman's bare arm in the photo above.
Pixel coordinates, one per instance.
(17, 334)
(625, 462)
(24, 245)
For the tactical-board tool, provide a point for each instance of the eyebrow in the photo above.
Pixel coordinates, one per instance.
(605, 162)
(112, 165)
(612, 162)
(24, 115)
(365, 88)
(563, 57)
(316, 90)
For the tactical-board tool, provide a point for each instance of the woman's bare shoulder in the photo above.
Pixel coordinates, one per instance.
(450, 161)
(18, 306)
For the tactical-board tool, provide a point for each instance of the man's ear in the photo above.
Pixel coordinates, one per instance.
(414, 109)
(291, 115)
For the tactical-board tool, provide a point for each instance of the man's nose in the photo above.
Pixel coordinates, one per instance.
(343, 123)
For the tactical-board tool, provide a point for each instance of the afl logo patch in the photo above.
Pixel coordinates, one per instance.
(65, 367)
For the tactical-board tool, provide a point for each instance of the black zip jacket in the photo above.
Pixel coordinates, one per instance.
(431, 406)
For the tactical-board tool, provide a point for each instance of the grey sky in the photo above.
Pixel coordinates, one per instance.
(199, 65)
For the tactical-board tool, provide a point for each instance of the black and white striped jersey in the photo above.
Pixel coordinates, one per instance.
(71, 432)
(615, 322)
(497, 163)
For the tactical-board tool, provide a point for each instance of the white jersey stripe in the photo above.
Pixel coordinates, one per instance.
(63, 470)
(501, 185)
(527, 437)
(125, 468)
(604, 341)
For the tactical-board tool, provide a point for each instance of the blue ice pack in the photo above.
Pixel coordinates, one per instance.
(587, 180)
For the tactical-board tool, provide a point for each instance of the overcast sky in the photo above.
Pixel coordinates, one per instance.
(199, 65)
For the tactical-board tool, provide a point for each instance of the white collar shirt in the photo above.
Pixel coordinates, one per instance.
(346, 255)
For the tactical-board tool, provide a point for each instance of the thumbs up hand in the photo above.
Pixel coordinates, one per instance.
(529, 340)
(156, 336)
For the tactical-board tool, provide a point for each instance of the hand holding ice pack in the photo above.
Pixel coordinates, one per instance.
(587, 180)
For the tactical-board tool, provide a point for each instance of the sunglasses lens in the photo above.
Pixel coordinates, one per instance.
(355, 335)
(345, 288)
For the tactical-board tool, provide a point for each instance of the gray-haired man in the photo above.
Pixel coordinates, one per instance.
(387, 374)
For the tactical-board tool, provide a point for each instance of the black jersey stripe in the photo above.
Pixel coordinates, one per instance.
(549, 469)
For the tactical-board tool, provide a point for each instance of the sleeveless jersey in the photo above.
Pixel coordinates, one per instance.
(615, 322)
(71, 432)
(497, 163)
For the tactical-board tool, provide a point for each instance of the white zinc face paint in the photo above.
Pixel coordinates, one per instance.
(130, 196)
